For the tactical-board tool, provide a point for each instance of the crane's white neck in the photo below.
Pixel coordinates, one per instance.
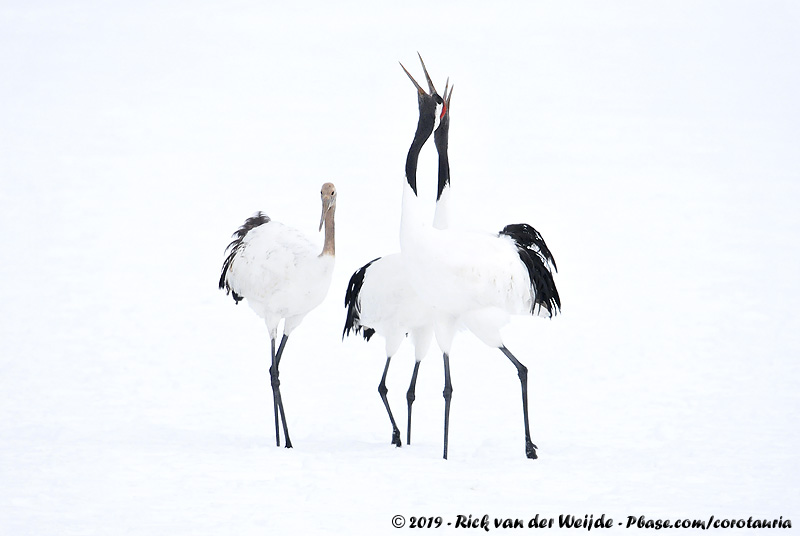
(415, 214)
(412, 217)
(441, 218)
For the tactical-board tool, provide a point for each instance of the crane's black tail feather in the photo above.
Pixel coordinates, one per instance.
(259, 218)
(352, 301)
(541, 265)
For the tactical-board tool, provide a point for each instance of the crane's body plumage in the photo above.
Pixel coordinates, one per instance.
(458, 271)
(269, 259)
(385, 303)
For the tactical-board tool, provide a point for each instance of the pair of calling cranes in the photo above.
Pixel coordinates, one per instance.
(441, 279)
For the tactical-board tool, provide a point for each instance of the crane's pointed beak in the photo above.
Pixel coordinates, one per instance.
(327, 204)
(419, 88)
(427, 76)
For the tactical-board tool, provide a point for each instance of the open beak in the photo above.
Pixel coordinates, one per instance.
(427, 77)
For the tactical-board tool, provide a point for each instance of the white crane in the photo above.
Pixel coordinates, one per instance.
(379, 299)
(282, 276)
(474, 280)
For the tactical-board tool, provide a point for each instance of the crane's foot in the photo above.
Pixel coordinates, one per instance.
(530, 450)
(288, 443)
(396, 438)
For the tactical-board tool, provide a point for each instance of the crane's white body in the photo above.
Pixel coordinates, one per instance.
(391, 307)
(281, 274)
(459, 271)
(389, 303)
(469, 279)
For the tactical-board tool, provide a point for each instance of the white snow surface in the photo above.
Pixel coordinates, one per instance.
(654, 145)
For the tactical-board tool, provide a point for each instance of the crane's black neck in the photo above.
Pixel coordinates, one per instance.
(440, 139)
(427, 119)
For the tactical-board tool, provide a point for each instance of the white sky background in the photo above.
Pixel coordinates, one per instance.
(654, 144)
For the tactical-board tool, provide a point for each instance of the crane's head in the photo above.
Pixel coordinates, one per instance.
(430, 103)
(328, 194)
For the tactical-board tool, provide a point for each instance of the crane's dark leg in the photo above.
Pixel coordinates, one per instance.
(383, 390)
(410, 396)
(448, 394)
(522, 371)
(280, 348)
(273, 375)
(276, 392)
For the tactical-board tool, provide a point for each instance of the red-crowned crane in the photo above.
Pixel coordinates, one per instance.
(379, 299)
(475, 280)
(283, 276)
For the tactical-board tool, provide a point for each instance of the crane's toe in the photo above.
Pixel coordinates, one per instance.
(530, 450)
(396, 438)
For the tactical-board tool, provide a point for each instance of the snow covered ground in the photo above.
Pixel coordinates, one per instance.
(654, 145)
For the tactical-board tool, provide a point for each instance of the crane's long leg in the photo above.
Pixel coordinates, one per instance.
(383, 390)
(277, 401)
(410, 396)
(522, 372)
(448, 394)
(276, 389)
(280, 348)
(273, 374)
